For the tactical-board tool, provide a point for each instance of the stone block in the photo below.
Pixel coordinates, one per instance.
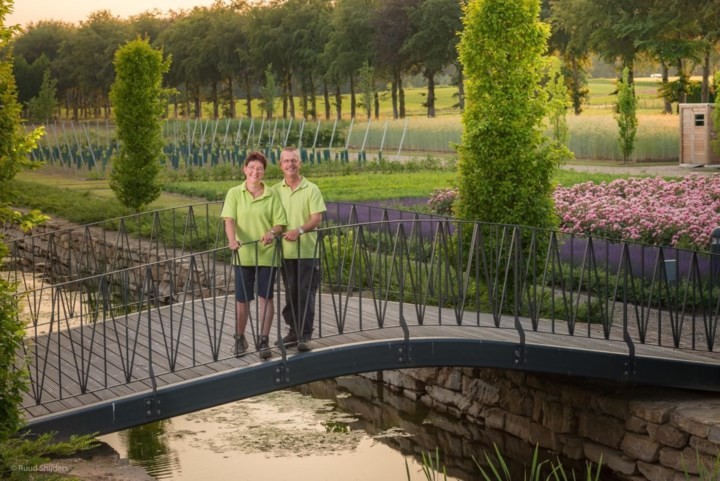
(611, 406)
(482, 392)
(518, 426)
(603, 430)
(495, 419)
(448, 397)
(704, 446)
(572, 446)
(686, 460)
(657, 412)
(654, 472)
(697, 417)
(576, 398)
(612, 458)
(668, 435)
(516, 402)
(640, 447)
(636, 425)
(544, 437)
(559, 418)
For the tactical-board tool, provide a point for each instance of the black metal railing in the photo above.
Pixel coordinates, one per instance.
(100, 314)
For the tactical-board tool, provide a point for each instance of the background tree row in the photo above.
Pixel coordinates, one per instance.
(357, 47)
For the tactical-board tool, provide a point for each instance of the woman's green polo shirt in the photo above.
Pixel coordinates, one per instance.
(253, 218)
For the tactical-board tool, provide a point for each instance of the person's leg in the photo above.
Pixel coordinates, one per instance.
(289, 276)
(309, 281)
(244, 279)
(266, 278)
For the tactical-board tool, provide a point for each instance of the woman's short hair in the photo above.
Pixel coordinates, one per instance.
(256, 156)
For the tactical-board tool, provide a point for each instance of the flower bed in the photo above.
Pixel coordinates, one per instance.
(680, 213)
(655, 211)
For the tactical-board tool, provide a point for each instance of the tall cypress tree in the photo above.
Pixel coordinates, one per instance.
(506, 163)
(139, 101)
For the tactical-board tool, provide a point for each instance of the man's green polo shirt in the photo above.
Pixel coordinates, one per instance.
(299, 205)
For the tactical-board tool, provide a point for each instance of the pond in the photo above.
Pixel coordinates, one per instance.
(342, 429)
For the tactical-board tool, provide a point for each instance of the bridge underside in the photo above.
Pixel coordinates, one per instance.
(381, 349)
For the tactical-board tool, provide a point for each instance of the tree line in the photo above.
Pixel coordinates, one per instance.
(304, 49)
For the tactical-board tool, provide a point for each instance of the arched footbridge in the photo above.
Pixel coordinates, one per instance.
(132, 320)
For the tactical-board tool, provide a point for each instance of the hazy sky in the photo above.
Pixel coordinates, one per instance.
(28, 11)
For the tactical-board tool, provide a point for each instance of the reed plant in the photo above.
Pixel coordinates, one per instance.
(495, 468)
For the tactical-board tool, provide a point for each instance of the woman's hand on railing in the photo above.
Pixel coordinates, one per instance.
(234, 244)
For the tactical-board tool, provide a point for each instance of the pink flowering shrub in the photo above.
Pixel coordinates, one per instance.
(650, 210)
(441, 201)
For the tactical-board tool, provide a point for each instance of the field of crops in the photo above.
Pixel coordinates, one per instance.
(206, 142)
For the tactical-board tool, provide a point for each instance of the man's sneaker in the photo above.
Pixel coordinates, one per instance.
(241, 345)
(289, 340)
(264, 348)
(304, 344)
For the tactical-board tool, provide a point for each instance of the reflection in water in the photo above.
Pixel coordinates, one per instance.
(148, 446)
(341, 429)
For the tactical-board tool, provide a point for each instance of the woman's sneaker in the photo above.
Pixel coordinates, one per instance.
(264, 348)
(241, 345)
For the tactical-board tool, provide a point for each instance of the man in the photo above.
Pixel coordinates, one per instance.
(300, 270)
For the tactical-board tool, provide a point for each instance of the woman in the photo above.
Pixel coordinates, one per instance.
(253, 217)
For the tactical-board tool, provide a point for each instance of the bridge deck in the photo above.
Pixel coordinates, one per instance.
(107, 351)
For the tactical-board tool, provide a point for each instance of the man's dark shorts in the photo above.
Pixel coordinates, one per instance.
(245, 280)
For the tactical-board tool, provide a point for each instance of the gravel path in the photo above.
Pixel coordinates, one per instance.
(664, 170)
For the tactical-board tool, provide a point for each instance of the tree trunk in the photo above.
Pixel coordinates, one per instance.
(290, 95)
(353, 100)
(313, 98)
(231, 98)
(198, 103)
(705, 92)
(338, 101)
(326, 96)
(248, 96)
(216, 100)
(430, 75)
(304, 99)
(401, 97)
(682, 95)
(377, 105)
(667, 105)
(394, 95)
(461, 87)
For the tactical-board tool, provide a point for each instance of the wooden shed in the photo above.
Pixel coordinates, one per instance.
(696, 134)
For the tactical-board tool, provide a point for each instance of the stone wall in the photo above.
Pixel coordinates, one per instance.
(63, 252)
(641, 433)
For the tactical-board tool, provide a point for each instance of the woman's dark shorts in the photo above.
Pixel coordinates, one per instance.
(245, 280)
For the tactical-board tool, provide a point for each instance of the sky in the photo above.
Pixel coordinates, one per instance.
(29, 11)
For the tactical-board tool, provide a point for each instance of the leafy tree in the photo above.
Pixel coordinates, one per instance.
(506, 163)
(350, 43)
(432, 45)
(41, 108)
(88, 59)
(366, 78)
(393, 27)
(557, 102)
(615, 29)
(15, 144)
(269, 93)
(626, 116)
(139, 103)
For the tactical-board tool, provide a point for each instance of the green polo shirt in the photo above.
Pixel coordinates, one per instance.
(253, 218)
(299, 205)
